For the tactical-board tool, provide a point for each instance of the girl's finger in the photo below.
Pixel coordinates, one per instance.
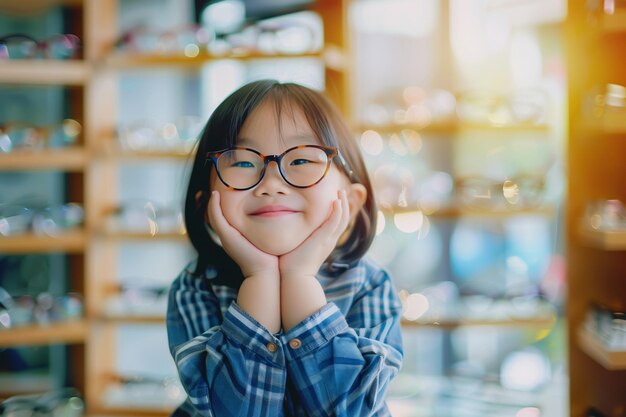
(216, 217)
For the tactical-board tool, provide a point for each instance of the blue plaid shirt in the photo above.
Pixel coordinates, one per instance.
(337, 362)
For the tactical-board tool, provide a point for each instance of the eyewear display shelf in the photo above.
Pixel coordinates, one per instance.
(595, 259)
(73, 162)
(96, 163)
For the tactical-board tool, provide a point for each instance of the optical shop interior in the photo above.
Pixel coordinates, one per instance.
(493, 132)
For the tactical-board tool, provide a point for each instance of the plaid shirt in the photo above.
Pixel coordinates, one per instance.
(230, 365)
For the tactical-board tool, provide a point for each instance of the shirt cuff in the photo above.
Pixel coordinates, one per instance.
(314, 331)
(243, 329)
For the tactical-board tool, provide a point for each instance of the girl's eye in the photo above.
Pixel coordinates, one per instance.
(300, 161)
(243, 164)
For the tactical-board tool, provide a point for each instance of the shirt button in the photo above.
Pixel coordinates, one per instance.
(295, 343)
(271, 347)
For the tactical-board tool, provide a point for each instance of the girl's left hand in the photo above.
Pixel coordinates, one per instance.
(306, 259)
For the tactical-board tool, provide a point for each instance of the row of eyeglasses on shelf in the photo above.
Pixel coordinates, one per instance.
(132, 216)
(420, 107)
(134, 298)
(134, 391)
(148, 135)
(295, 34)
(42, 309)
(608, 325)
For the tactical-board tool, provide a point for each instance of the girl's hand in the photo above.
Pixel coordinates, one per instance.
(306, 259)
(251, 260)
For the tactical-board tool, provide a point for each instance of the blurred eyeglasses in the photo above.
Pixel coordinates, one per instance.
(43, 308)
(144, 216)
(18, 46)
(608, 325)
(17, 136)
(139, 297)
(301, 166)
(606, 104)
(66, 402)
(518, 192)
(51, 221)
(519, 107)
(187, 40)
(144, 391)
(606, 215)
(151, 135)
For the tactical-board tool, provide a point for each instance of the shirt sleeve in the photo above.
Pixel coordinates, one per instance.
(342, 365)
(230, 368)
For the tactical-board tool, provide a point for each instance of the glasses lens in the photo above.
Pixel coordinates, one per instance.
(303, 167)
(240, 168)
(19, 48)
(63, 47)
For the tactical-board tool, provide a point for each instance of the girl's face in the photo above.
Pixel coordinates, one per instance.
(274, 216)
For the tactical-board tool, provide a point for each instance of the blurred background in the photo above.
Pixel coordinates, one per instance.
(494, 135)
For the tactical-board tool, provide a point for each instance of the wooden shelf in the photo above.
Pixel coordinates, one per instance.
(71, 241)
(145, 156)
(456, 212)
(592, 346)
(44, 72)
(542, 322)
(454, 128)
(143, 236)
(137, 61)
(129, 411)
(132, 319)
(68, 159)
(70, 332)
(602, 239)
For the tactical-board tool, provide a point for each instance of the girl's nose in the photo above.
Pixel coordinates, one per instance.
(272, 182)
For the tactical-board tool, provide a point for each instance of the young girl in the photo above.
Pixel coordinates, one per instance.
(281, 315)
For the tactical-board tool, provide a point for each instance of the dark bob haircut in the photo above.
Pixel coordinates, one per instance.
(221, 131)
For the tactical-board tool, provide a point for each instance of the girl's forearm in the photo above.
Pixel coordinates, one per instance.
(259, 296)
(300, 296)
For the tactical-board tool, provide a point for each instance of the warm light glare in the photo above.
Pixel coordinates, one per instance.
(525, 370)
(412, 139)
(510, 190)
(415, 307)
(528, 412)
(409, 222)
(372, 142)
(191, 50)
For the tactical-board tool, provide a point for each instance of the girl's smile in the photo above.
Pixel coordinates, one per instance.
(273, 211)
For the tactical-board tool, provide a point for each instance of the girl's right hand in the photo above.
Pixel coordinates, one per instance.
(251, 260)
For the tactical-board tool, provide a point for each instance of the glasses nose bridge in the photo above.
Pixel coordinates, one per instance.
(272, 158)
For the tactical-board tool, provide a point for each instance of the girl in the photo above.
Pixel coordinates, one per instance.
(281, 315)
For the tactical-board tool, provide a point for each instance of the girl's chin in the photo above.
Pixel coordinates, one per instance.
(277, 247)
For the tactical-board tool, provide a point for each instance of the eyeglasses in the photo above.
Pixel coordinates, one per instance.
(301, 166)
(18, 46)
(152, 135)
(16, 136)
(519, 192)
(51, 221)
(44, 308)
(187, 40)
(65, 402)
(525, 106)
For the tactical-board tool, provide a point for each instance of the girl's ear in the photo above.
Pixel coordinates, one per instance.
(357, 195)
